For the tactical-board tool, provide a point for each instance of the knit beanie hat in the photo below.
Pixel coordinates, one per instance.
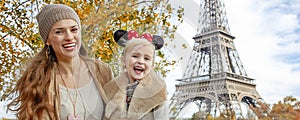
(52, 13)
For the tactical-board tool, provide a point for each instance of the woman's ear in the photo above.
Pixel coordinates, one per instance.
(47, 42)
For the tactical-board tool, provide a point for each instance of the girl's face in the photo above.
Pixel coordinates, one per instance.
(64, 37)
(139, 61)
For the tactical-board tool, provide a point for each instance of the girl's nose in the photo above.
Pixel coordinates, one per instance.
(140, 61)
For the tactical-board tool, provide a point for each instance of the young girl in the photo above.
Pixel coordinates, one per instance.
(138, 93)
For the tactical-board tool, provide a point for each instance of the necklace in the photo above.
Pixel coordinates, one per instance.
(73, 116)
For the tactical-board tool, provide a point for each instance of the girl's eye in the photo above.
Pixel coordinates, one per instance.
(134, 56)
(146, 58)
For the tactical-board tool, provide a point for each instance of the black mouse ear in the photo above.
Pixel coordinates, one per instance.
(158, 42)
(121, 37)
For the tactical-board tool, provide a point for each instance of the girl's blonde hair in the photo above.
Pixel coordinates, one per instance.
(133, 43)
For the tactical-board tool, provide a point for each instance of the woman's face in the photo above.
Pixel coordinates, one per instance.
(139, 61)
(65, 38)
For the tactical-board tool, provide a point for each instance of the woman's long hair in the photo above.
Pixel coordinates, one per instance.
(31, 93)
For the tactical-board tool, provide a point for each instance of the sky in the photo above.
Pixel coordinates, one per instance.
(267, 39)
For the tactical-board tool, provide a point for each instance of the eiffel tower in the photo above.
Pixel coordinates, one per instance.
(215, 79)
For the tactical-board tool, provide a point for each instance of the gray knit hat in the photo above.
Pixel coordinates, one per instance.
(52, 13)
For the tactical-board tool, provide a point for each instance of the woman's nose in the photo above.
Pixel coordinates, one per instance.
(69, 35)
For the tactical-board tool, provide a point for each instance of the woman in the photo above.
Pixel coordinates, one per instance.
(61, 82)
(138, 93)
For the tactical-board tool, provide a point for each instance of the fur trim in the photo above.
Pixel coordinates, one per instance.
(150, 93)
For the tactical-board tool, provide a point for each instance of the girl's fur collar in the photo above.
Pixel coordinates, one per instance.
(150, 93)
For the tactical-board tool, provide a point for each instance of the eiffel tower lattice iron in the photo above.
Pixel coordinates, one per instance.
(215, 79)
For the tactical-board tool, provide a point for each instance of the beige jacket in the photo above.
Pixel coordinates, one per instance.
(149, 101)
(100, 71)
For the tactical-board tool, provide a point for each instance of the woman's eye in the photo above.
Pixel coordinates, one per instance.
(74, 29)
(58, 32)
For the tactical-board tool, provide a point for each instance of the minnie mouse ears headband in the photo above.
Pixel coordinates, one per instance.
(122, 36)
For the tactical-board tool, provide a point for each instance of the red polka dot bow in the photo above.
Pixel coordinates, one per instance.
(133, 34)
